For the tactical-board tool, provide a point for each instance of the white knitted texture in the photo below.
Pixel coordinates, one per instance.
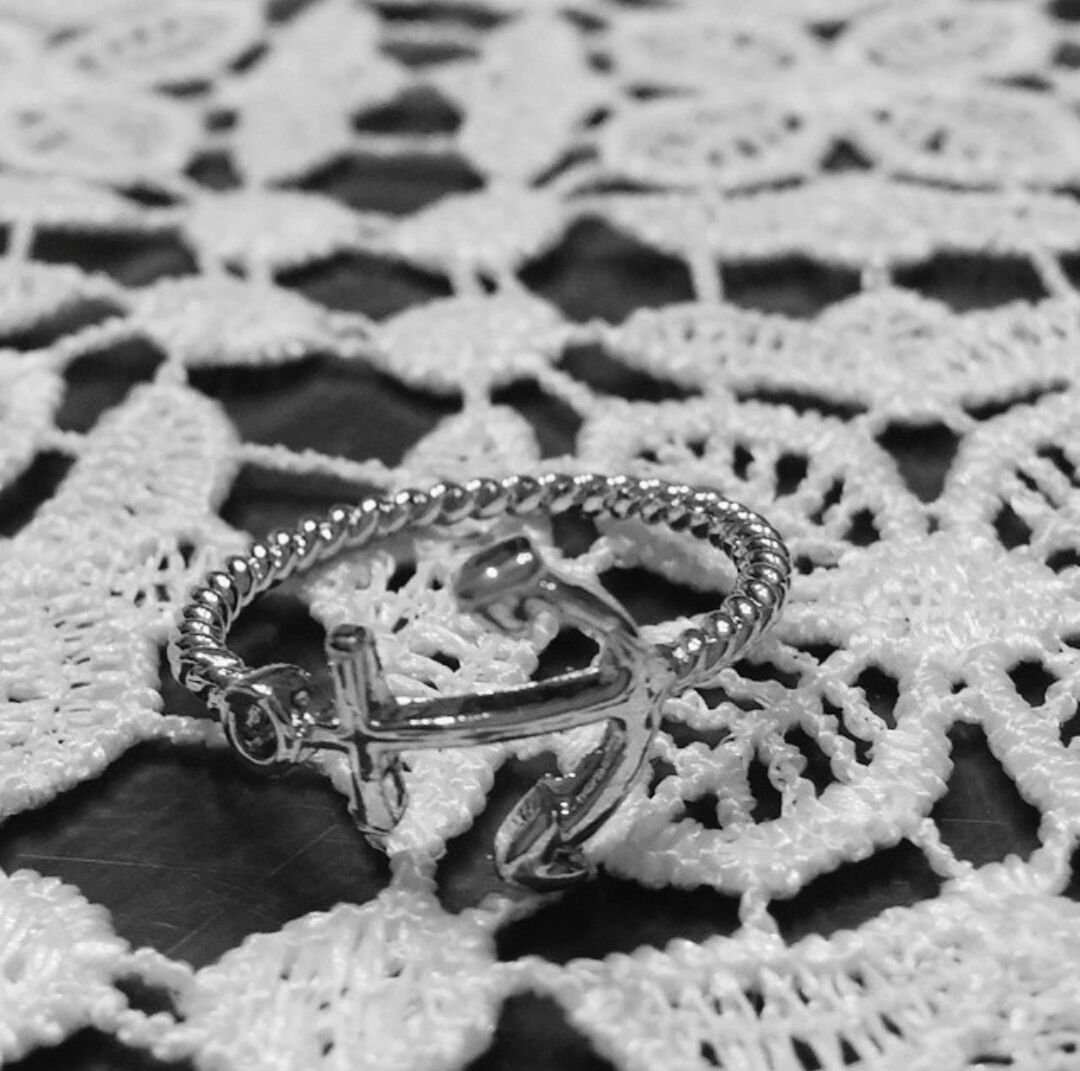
(701, 129)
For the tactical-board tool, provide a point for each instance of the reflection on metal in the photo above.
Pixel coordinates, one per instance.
(271, 720)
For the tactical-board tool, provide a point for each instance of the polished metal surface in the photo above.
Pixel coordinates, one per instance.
(271, 719)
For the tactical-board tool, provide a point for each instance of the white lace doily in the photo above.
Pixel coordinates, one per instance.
(870, 142)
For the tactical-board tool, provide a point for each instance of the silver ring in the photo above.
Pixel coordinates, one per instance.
(272, 720)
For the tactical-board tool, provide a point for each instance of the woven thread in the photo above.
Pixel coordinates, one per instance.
(863, 138)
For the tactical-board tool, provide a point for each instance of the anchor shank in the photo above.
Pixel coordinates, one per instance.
(365, 704)
(562, 702)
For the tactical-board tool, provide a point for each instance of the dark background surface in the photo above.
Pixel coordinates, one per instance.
(190, 853)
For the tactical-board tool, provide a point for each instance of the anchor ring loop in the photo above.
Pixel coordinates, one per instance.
(272, 720)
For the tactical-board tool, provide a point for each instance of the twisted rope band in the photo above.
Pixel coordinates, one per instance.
(201, 661)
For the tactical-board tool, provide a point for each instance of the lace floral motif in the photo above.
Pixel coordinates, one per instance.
(857, 140)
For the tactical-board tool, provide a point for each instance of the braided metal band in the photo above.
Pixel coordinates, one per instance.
(201, 661)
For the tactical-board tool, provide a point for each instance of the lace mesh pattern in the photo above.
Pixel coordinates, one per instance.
(861, 159)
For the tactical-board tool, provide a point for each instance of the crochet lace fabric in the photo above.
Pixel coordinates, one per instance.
(887, 152)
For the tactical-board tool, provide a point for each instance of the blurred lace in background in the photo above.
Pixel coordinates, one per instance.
(821, 255)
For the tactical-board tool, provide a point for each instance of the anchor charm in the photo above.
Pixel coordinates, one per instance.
(272, 720)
